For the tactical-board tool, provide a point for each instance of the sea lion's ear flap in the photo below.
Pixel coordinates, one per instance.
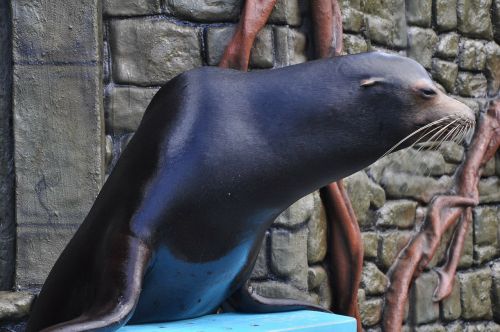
(370, 81)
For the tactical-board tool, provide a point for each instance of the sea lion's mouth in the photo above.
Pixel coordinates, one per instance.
(454, 128)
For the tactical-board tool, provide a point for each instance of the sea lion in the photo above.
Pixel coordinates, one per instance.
(176, 228)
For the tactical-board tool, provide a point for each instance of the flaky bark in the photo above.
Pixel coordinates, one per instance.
(345, 250)
(253, 18)
(443, 213)
(327, 21)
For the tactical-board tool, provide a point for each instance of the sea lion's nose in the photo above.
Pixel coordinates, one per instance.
(457, 107)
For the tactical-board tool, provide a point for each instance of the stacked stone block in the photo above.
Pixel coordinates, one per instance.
(454, 40)
(57, 127)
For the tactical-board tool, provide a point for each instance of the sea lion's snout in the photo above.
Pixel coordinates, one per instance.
(456, 107)
(439, 105)
(440, 118)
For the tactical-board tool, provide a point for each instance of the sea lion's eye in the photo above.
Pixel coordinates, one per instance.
(428, 93)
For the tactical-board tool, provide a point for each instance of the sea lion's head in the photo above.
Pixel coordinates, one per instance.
(404, 103)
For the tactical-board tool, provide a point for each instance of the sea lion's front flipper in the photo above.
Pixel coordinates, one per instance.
(246, 299)
(119, 283)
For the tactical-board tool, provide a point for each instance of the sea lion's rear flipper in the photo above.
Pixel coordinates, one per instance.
(246, 299)
(118, 284)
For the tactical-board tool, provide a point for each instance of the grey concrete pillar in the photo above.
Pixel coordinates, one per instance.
(58, 126)
(7, 222)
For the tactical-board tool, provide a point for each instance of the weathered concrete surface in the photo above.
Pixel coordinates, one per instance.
(419, 12)
(421, 44)
(290, 46)
(15, 305)
(475, 288)
(261, 55)
(7, 222)
(447, 46)
(289, 256)
(56, 31)
(446, 14)
(151, 51)
(445, 73)
(56, 180)
(492, 51)
(205, 10)
(474, 18)
(126, 107)
(57, 106)
(38, 249)
(317, 240)
(284, 12)
(422, 308)
(451, 308)
(131, 7)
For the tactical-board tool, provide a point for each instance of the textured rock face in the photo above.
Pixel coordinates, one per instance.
(475, 290)
(57, 120)
(472, 85)
(424, 310)
(421, 44)
(7, 221)
(15, 305)
(445, 73)
(447, 46)
(206, 10)
(492, 51)
(150, 52)
(446, 14)
(474, 18)
(419, 13)
(131, 7)
(262, 52)
(126, 107)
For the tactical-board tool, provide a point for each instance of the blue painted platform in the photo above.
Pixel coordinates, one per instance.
(304, 321)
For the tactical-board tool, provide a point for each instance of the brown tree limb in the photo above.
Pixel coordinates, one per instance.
(443, 213)
(345, 248)
(327, 21)
(328, 33)
(253, 18)
(447, 271)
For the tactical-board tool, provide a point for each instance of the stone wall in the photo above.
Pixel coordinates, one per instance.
(148, 42)
(457, 41)
(61, 134)
(7, 223)
(57, 122)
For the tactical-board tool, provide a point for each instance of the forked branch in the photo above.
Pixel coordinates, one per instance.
(443, 213)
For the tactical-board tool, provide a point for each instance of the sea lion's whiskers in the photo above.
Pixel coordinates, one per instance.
(415, 133)
(460, 136)
(470, 132)
(466, 132)
(438, 134)
(455, 132)
(448, 137)
(425, 135)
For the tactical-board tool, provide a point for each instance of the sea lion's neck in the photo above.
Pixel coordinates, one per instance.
(315, 130)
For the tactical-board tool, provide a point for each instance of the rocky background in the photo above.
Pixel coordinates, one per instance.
(147, 42)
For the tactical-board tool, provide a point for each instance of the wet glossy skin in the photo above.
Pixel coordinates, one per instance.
(218, 155)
